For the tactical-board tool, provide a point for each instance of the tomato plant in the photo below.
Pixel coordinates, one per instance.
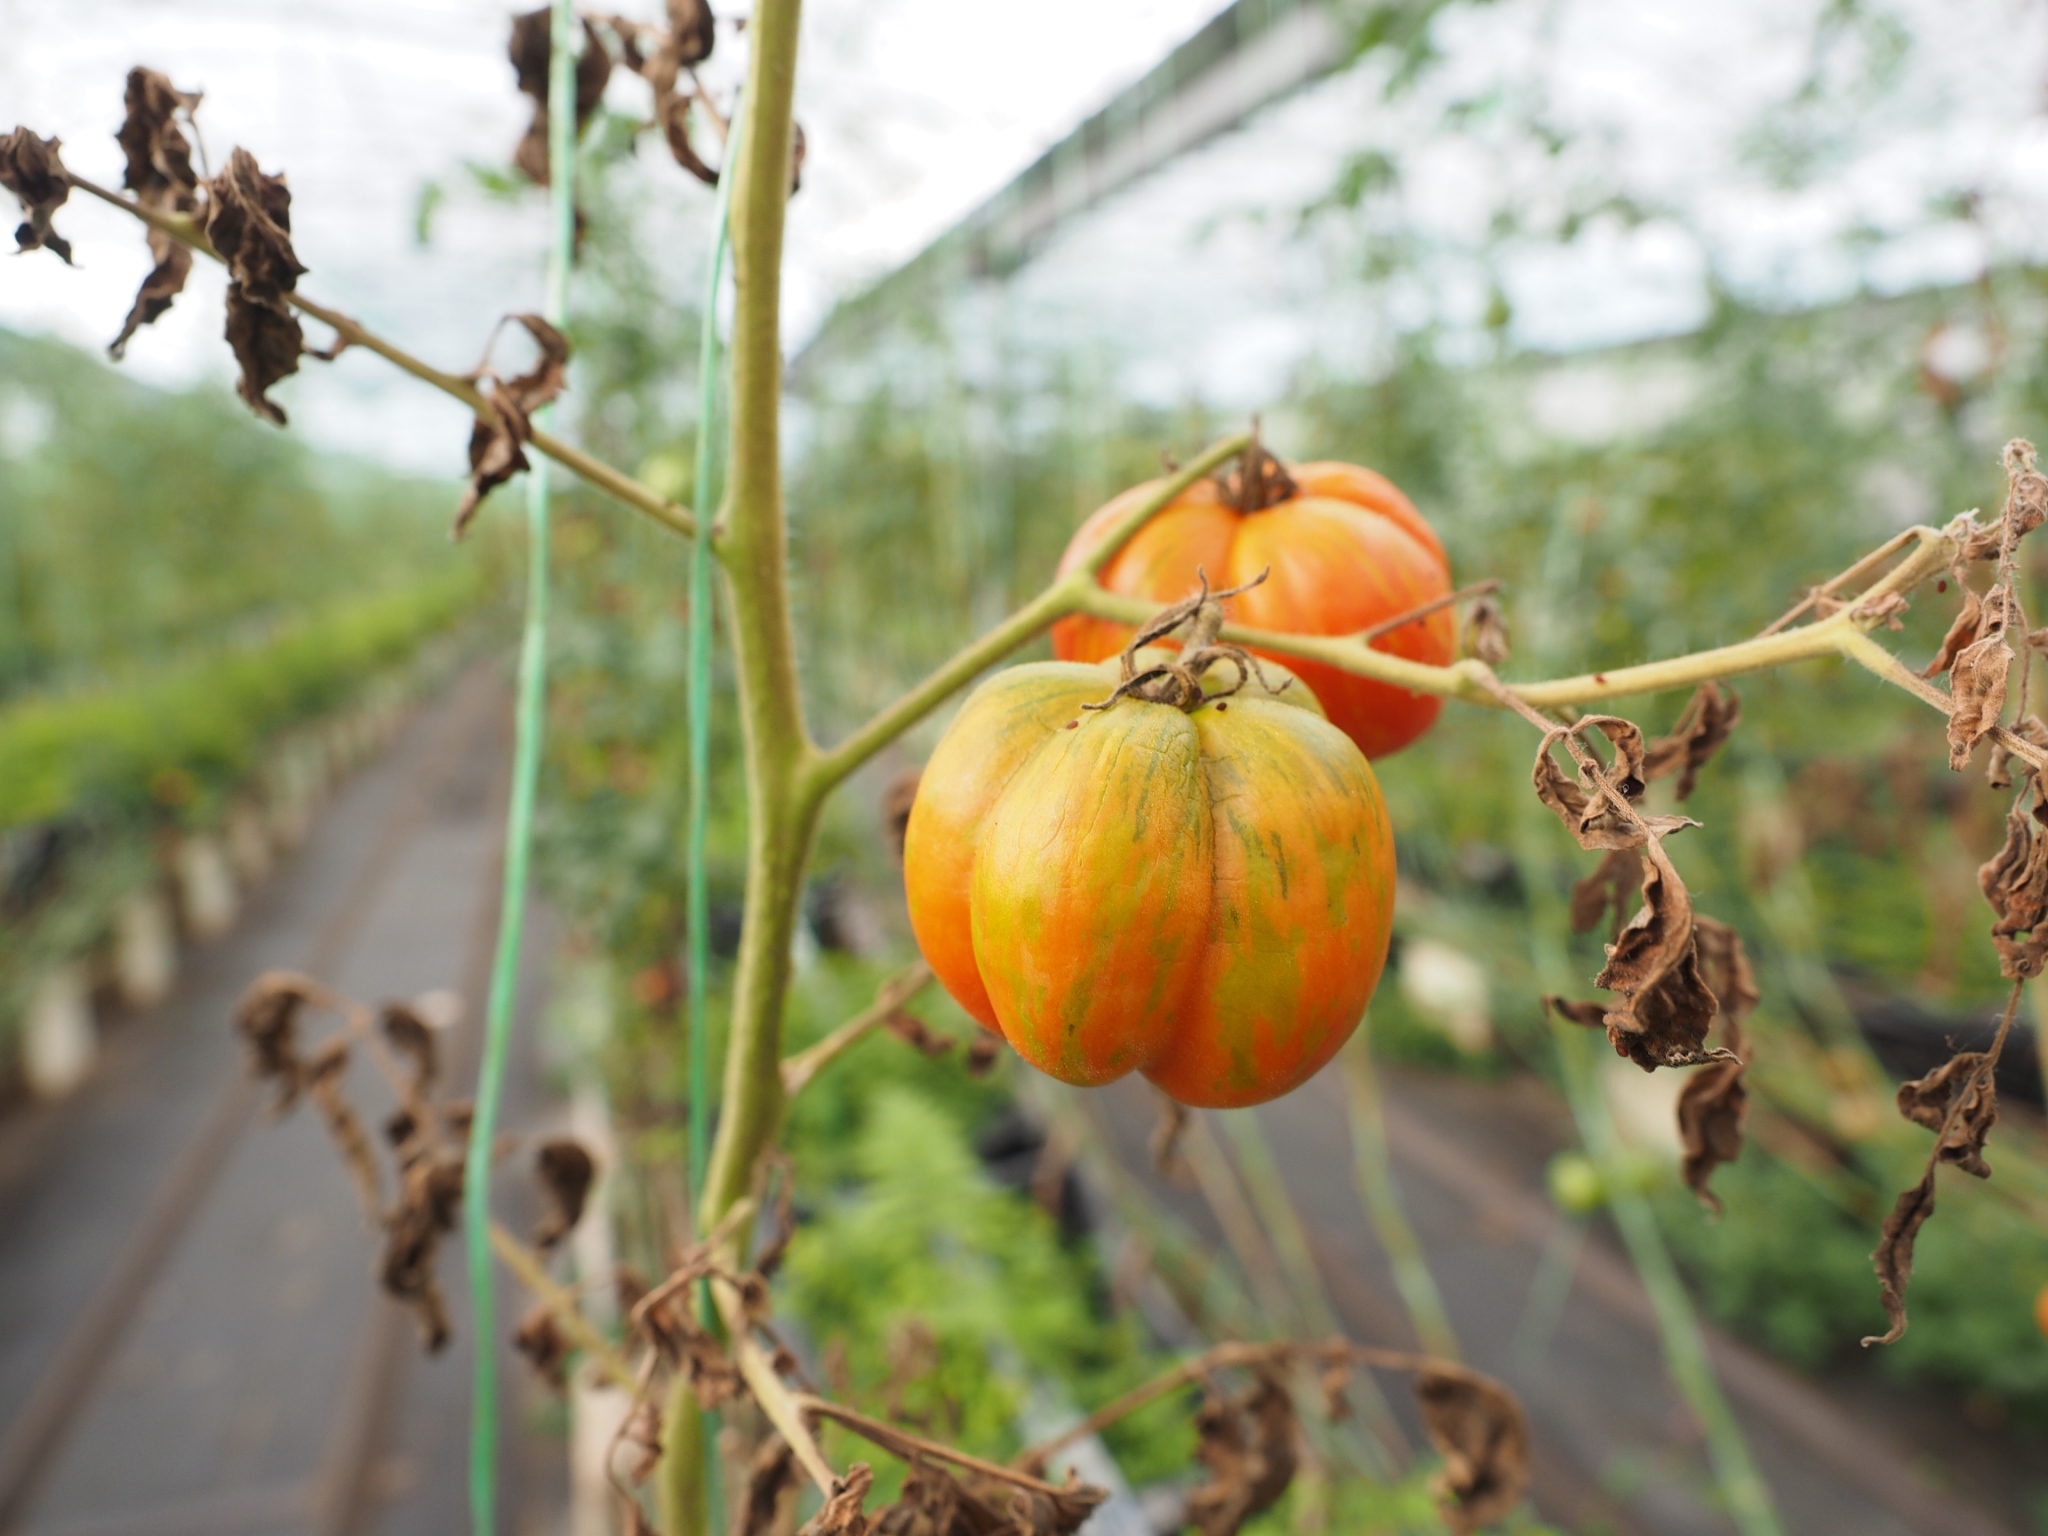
(1347, 552)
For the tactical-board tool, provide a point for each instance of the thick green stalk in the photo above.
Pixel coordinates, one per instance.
(782, 802)
(526, 752)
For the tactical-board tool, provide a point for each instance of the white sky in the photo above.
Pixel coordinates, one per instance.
(915, 110)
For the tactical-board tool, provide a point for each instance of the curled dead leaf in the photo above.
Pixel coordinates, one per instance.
(843, 1511)
(324, 1077)
(771, 1489)
(1709, 718)
(2026, 494)
(1893, 1259)
(497, 438)
(2015, 883)
(1485, 634)
(642, 1433)
(1478, 1428)
(429, 1199)
(1958, 1101)
(159, 172)
(162, 284)
(413, 1039)
(249, 221)
(1725, 965)
(1711, 1108)
(1606, 891)
(1248, 1447)
(897, 800)
(1976, 683)
(566, 1171)
(915, 1033)
(540, 1339)
(1582, 806)
(1962, 634)
(531, 48)
(1666, 1007)
(267, 1018)
(31, 168)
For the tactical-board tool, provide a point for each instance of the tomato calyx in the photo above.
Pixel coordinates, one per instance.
(1179, 682)
(1257, 480)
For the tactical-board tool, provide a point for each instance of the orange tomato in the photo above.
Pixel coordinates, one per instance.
(1347, 550)
(1203, 896)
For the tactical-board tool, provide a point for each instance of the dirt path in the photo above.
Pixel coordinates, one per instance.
(191, 1339)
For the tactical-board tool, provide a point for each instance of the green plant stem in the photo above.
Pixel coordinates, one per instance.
(531, 728)
(1373, 1170)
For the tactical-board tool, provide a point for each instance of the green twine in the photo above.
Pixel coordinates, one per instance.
(531, 724)
(706, 494)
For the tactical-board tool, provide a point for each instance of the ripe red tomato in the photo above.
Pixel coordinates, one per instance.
(1347, 550)
(1204, 896)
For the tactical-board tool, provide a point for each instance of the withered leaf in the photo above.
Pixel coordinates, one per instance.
(159, 169)
(541, 1341)
(1033, 1512)
(164, 282)
(324, 1076)
(1964, 1087)
(429, 1199)
(1486, 632)
(1962, 633)
(530, 50)
(2026, 495)
(1893, 1259)
(1247, 1445)
(1666, 1007)
(642, 1431)
(1709, 717)
(267, 1017)
(915, 1033)
(1725, 964)
(688, 41)
(1977, 684)
(1585, 1015)
(413, 1038)
(771, 1489)
(692, 1350)
(31, 169)
(842, 1514)
(566, 1172)
(1711, 1109)
(897, 800)
(1478, 1428)
(2015, 882)
(496, 440)
(1606, 891)
(1587, 813)
(982, 1053)
(249, 221)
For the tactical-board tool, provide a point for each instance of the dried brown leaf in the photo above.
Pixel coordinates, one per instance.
(1606, 891)
(1248, 1447)
(497, 437)
(1893, 1259)
(32, 170)
(897, 800)
(1585, 1015)
(1725, 965)
(566, 1172)
(1966, 1086)
(267, 1017)
(1586, 812)
(1709, 717)
(642, 1431)
(1478, 1428)
(541, 1341)
(159, 169)
(2026, 495)
(842, 1514)
(771, 1489)
(1977, 684)
(1034, 1512)
(1962, 634)
(429, 1199)
(164, 282)
(982, 1053)
(1666, 1007)
(531, 47)
(1485, 634)
(692, 1350)
(1711, 1109)
(413, 1038)
(249, 221)
(324, 1076)
(915, 1033)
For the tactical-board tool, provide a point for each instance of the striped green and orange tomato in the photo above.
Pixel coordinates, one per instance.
(1204, 897)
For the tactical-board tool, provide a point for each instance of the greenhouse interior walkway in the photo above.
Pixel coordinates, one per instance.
(192, 1342)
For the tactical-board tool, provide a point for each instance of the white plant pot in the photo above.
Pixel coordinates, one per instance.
(145, 949)
(248, 842)
(59, 1037)
(206, 887)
